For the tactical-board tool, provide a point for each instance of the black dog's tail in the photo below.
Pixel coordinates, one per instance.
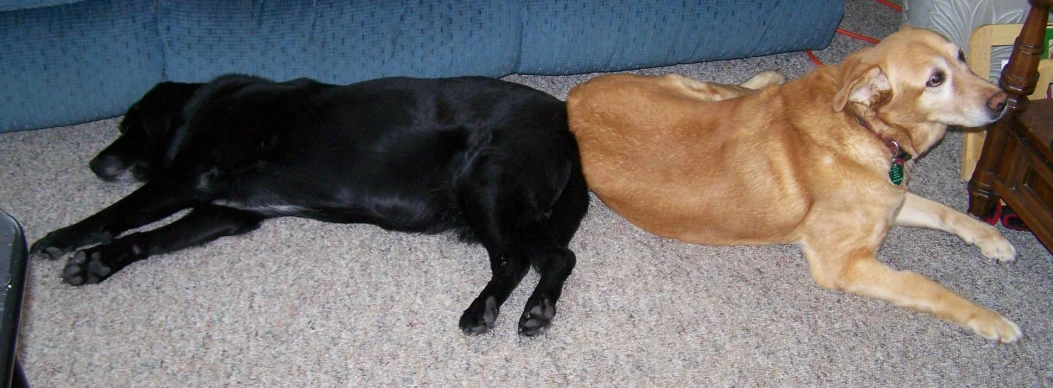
(571, 202)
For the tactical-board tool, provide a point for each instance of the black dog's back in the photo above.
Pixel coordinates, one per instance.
(490, 160)
(393, 138)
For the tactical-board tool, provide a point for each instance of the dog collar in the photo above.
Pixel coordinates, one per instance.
(898, 155)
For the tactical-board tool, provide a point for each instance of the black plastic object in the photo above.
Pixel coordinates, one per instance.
(12, 283)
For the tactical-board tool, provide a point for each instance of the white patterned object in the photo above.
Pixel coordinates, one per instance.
(956, 20)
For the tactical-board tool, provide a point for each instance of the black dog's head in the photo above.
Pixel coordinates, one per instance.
(146, 131)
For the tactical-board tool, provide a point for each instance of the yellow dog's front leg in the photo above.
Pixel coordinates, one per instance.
(919, 212)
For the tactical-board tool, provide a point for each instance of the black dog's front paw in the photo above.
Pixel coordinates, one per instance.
(479, 318)
(537, 317)
(52, 246)
(89, 266)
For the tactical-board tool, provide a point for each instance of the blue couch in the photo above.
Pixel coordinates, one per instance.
(70, 61)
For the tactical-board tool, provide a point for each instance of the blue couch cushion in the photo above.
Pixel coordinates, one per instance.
(13, 5)
(339, 41)
(70, 61)
(579, 36)
(74, 63)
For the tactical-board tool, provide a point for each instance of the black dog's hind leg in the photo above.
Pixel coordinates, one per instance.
(555, 265)
(550, 256)
(149, 203)
(531, 245)
(480, 316)
(514, 244)
(200, 226)
(487, 214)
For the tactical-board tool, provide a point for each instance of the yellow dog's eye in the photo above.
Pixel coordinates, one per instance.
(961, 56)
(935, 80)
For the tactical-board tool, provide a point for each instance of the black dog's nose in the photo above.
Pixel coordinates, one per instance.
(107, 167)
(96, 165)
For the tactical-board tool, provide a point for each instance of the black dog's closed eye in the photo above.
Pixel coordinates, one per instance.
(490, 160)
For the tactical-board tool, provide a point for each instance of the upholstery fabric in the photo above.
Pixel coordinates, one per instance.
(83, 60)
(577, 36)
(74, 63)
(340, 41)
(14, 5)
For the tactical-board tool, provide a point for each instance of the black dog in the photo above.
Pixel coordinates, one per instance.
(491, 160)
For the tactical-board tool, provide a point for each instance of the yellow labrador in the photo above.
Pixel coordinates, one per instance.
(820, 161)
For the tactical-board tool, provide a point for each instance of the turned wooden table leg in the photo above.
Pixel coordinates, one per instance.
(982, 196)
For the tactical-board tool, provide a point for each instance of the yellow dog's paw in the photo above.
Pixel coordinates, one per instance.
(764, 79)
(995, 327)
(994, 245)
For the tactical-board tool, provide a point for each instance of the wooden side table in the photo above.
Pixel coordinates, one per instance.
(1015, 165)
(979, 57)
(1025, 179)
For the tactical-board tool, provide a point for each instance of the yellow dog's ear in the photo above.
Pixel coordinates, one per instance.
(870, 88)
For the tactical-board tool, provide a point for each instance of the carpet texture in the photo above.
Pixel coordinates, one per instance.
(305, 303)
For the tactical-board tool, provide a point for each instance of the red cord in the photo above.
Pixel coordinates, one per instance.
(858, 36)
(890, 5)
(814, 59)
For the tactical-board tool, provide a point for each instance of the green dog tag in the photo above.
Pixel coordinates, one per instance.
(895, 174)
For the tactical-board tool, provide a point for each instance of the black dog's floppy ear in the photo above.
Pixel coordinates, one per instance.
(870, 87)
(155, 113)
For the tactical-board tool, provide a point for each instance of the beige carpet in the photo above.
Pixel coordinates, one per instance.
(303, 303)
